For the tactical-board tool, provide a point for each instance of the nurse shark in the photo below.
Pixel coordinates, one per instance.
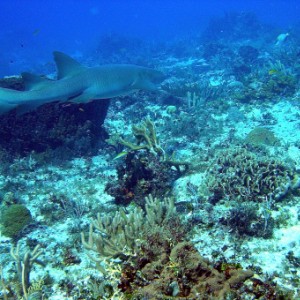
(79, 84)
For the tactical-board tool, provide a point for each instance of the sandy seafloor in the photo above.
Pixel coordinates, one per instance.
(84, 179)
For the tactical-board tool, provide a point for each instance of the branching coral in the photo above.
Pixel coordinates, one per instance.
(24, 267)
(116, 236)
(159, 212)
(146, 138)
(122, 235)
(145, 135)
(146, 168)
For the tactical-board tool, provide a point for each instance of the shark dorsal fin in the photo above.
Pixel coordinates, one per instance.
(66, 65)
(33, 82)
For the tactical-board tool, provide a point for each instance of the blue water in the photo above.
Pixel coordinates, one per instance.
(31, 30)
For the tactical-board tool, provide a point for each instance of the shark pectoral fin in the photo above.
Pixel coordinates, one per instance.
(66, 65)
(84, 97)
(33, 82)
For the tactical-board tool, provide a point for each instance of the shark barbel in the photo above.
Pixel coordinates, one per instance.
(79, 84)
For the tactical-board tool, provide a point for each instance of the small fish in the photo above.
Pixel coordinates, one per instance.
(121, 154)
(281, 38)
(67, 105)
(273, 71)
(36, 32)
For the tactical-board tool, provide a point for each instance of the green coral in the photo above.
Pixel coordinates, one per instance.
(13, 219)
(146, 139)
(280, 83)
(145, 135)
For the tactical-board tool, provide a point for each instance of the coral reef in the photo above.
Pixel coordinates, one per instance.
(180, 272)
(244, 219)
(260, 136)
(245, 188)
(272, 84)
(241, 175)
(70, 128)
(124, 234)
(24, 267)
(139, 175)
(221, 137)
(157, 261)
(13, 219)
(146, 168)
(248, 53)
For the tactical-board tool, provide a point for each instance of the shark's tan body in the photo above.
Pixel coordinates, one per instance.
(78, 84)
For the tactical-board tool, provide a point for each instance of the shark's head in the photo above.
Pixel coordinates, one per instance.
(149, 79)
